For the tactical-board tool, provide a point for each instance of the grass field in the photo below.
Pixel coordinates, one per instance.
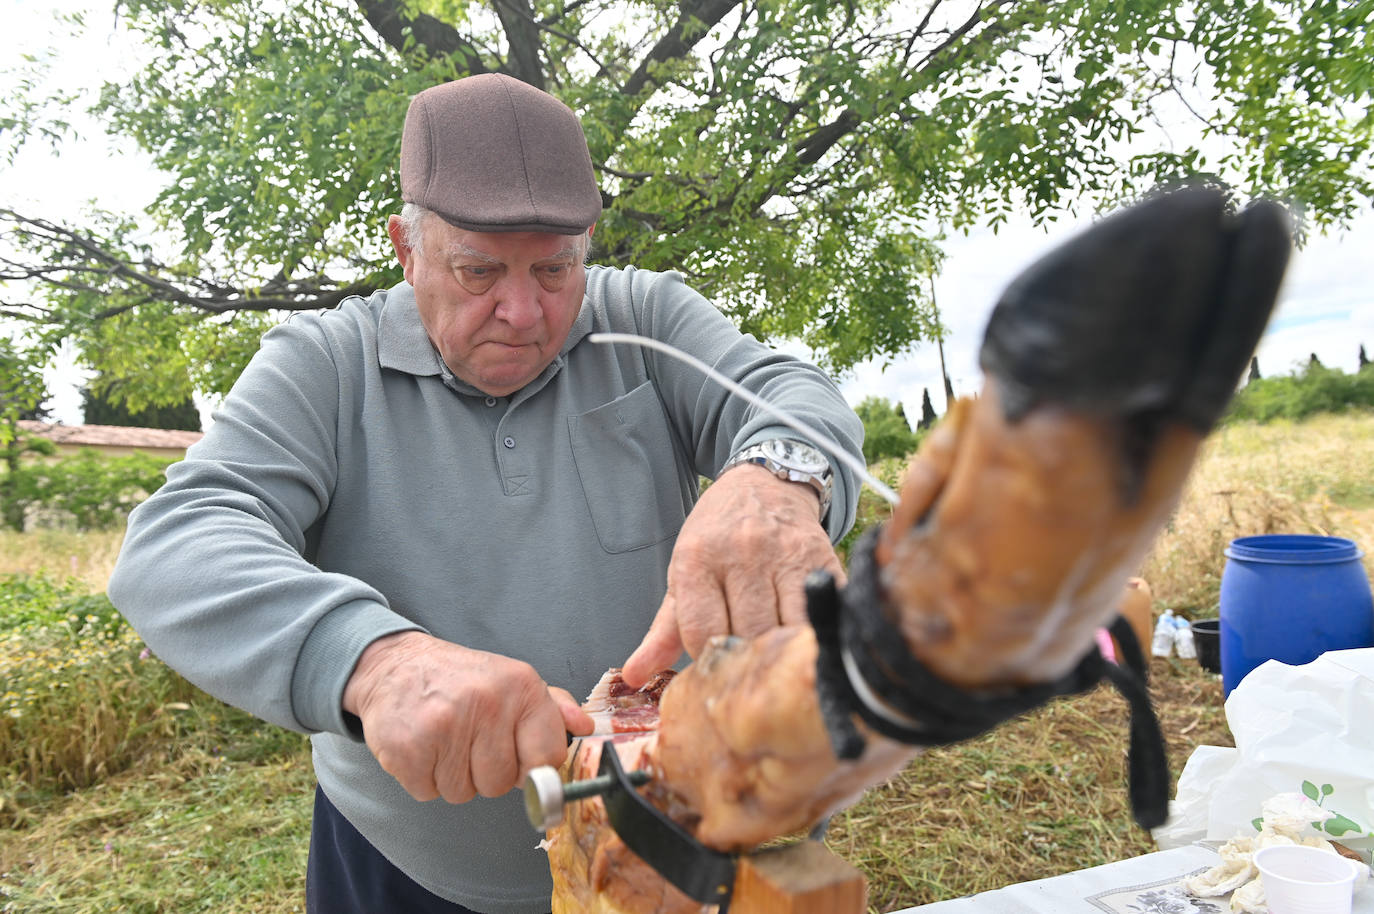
(122, 788)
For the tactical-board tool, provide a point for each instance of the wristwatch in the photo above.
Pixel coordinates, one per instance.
(792, 460)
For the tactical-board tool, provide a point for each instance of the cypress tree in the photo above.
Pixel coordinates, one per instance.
(927, 411)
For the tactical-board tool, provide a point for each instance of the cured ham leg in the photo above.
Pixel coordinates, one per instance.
(593, 871)
(1020, 521)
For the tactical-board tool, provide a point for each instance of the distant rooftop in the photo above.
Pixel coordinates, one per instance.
(110, 435)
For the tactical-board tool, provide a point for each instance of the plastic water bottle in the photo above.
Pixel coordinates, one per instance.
(1162, 645)
(1183, 641)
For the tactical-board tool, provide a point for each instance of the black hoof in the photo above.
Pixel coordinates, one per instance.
(1152, 313)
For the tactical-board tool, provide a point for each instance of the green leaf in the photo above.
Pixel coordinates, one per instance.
(1310, 791)
(1340, 825)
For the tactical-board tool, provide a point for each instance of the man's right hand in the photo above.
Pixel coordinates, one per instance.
(451, 722)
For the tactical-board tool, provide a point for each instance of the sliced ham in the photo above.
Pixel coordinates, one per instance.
(593, 871)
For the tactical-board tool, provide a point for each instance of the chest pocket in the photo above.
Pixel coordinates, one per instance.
(625, 458)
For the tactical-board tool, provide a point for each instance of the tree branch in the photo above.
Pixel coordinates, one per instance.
(433, 36)
(563, 13)
(82, 264)
(522, 35)
(812, 148)
(696, 19)
(978, 16)
(602, 70)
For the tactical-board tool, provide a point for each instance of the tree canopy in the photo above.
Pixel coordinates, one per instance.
(887, 433)
(796, 159)
(112, 410)
(22, 388)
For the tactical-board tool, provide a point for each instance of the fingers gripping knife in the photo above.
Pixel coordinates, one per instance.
(804, 878)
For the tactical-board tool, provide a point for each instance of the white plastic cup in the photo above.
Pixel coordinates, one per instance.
(1306, 880)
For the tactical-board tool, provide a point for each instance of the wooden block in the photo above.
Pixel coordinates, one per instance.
(803, 878)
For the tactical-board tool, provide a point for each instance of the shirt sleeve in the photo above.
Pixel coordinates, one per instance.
(213, 571)
(717, 423)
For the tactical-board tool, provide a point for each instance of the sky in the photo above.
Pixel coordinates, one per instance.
(1326, 306)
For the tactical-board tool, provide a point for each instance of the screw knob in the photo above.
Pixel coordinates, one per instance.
(546, 794)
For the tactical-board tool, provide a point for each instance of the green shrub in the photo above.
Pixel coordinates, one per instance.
(34, 599)
(91, 490)
(1315, 389)
(79, 694)
(82, 698)
(873, 509)
(18, 488)
(886, 430)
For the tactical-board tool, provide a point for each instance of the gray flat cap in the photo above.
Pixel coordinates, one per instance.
(490, 153)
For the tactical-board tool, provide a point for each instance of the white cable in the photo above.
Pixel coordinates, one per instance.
(819, 438)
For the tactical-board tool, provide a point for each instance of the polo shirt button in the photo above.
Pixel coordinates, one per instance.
(491, 401)
(509, 442)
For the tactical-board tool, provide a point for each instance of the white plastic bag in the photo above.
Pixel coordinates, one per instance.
(1190, 807)
(1307, 729)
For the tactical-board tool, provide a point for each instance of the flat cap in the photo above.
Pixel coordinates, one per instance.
(490, 153)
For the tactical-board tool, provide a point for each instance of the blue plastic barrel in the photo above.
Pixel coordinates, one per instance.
(1291, 598)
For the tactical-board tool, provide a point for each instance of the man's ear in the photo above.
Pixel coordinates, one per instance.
(405, 254)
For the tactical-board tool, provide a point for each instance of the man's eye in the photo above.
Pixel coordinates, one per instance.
(553, 276)
(477, 279)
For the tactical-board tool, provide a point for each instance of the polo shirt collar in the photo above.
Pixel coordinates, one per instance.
(582, 325)
(402, 343)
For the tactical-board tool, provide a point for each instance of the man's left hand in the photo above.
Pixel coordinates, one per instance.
(739, 567)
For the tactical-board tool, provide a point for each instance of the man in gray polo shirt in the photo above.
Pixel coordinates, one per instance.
(424, 521)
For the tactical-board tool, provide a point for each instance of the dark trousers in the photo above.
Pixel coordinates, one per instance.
(347, 875)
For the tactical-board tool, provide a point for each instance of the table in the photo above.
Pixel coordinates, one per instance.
(1141, 885)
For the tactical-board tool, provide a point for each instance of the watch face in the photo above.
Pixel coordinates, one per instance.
(798, 455)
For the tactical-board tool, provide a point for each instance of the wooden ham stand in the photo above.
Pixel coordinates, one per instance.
(802, 878)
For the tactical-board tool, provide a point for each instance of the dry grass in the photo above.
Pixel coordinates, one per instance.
(89, 557)
(192, 831)
(1311, 477)
(78, 710)
(1043, 795)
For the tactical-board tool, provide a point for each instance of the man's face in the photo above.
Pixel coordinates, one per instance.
(497, 306)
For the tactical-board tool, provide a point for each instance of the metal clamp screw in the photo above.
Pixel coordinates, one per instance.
(546, 795)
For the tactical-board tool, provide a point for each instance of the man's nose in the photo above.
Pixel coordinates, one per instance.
(517, 302)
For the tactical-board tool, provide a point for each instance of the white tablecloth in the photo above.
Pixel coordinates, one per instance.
(1141, 885)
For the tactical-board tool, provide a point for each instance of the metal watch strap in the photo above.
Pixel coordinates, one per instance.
(760, 455)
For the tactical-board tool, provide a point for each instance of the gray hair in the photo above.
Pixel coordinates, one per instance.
(414, 216)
